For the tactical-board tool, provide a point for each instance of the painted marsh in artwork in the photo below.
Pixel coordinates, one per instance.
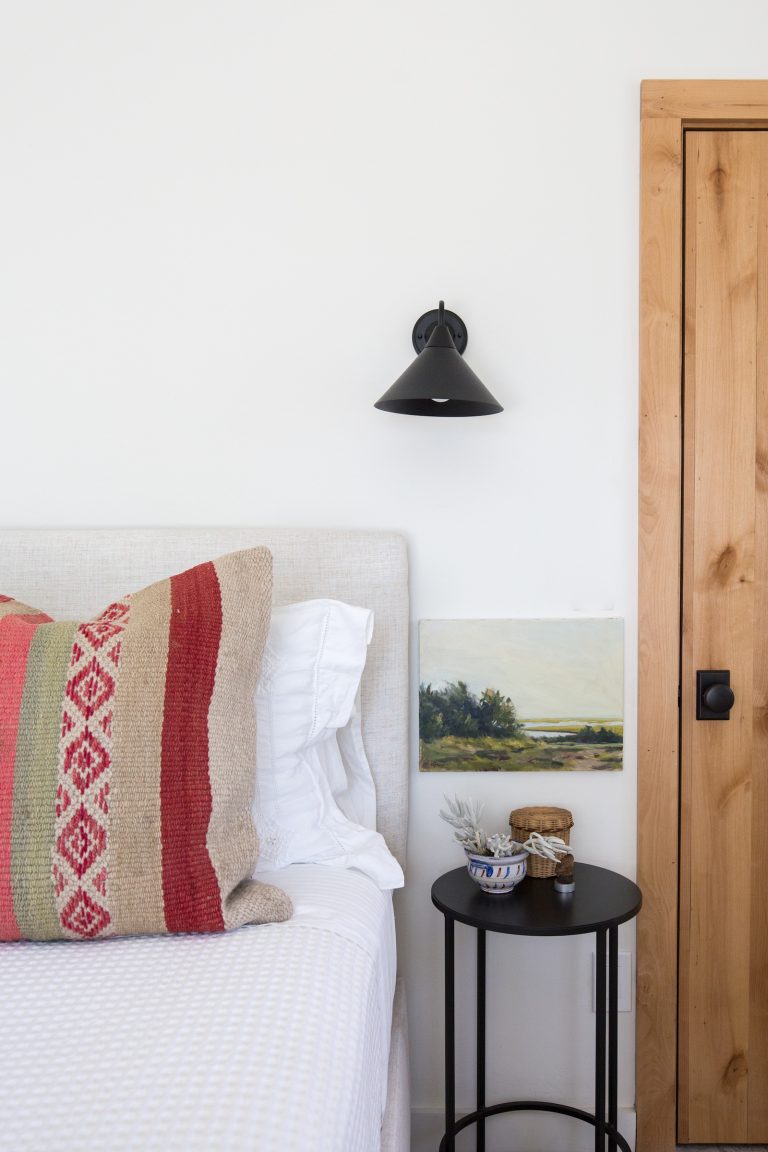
(521, 695)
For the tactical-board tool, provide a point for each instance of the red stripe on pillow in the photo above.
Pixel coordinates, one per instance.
(190, 888)
(16, 634)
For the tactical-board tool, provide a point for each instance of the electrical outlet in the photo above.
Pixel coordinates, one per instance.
(625, 982)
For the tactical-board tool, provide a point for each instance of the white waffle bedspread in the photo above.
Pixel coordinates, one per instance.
(269, 1038)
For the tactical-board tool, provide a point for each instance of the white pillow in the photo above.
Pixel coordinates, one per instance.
(315, 797)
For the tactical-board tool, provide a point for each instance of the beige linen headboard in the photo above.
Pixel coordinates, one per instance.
(73, 573)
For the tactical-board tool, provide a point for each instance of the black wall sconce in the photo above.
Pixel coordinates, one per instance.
(439, 382)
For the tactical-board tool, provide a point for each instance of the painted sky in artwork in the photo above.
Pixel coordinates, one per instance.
(569, 668)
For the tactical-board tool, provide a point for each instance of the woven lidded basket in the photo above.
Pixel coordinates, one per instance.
(547, 821)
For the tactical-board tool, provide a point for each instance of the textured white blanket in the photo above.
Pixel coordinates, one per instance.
(270, 1037)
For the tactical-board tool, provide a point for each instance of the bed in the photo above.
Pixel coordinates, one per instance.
(290, 1035)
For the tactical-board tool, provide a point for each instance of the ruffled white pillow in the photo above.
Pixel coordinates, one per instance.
(315, 797)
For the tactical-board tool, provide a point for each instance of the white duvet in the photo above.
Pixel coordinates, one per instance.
(273, 1037)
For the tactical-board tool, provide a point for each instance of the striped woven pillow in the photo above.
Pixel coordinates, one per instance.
(127, 759)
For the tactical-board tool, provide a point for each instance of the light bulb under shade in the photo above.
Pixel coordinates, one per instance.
(439, 383)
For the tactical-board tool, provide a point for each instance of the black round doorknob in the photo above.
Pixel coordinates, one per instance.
(718, 698)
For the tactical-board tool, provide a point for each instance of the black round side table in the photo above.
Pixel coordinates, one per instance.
(601, 901)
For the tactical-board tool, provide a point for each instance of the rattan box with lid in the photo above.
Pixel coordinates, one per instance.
(547, 821)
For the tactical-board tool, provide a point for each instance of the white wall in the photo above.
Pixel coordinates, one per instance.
(218, 223)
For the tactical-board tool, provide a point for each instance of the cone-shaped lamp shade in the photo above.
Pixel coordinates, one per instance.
(439, 383)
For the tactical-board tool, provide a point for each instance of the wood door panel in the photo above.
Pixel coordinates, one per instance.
(722, 1065)
(757, 1122)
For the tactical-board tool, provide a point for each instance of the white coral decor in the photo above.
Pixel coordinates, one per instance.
(464, 818)
(502, 844)
(550, 847)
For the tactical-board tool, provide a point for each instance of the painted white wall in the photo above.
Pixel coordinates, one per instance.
(218, 223)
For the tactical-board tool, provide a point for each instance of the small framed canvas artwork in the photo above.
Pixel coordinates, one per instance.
(521, 695)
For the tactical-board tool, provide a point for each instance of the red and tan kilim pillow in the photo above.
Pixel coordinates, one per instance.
(127, 760)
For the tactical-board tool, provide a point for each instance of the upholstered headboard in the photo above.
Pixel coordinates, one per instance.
(72, 573)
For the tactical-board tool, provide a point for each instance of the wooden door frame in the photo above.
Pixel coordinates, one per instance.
(668, 107)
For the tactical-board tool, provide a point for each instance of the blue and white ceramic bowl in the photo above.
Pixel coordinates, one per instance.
(496, 875)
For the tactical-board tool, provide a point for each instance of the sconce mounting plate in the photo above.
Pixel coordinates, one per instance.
(425, 325)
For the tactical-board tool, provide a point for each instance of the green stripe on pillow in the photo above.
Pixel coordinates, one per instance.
(34, 781)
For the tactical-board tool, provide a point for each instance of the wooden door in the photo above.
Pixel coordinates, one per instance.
(723, 919)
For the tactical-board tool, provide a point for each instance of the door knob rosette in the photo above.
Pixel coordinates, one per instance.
(714, 695)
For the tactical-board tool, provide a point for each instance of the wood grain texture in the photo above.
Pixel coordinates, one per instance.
(667, 108)
(687, 690)
(659, 576)
(715, 100)
(757, 1117)
(723, 182)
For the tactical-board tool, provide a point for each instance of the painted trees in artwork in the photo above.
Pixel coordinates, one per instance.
(454, 710)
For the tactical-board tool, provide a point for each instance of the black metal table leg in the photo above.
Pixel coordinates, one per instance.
(613, 1034)
(480, 1105)
(600, 992)
(450, 1042)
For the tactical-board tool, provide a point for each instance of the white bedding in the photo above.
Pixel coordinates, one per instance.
(272, 1037)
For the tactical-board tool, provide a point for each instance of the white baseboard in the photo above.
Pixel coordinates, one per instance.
(525, 1131)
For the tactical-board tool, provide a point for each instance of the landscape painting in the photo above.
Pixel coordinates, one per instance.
(521, 695)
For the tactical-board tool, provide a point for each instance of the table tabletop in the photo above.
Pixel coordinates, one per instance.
(602, 899)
